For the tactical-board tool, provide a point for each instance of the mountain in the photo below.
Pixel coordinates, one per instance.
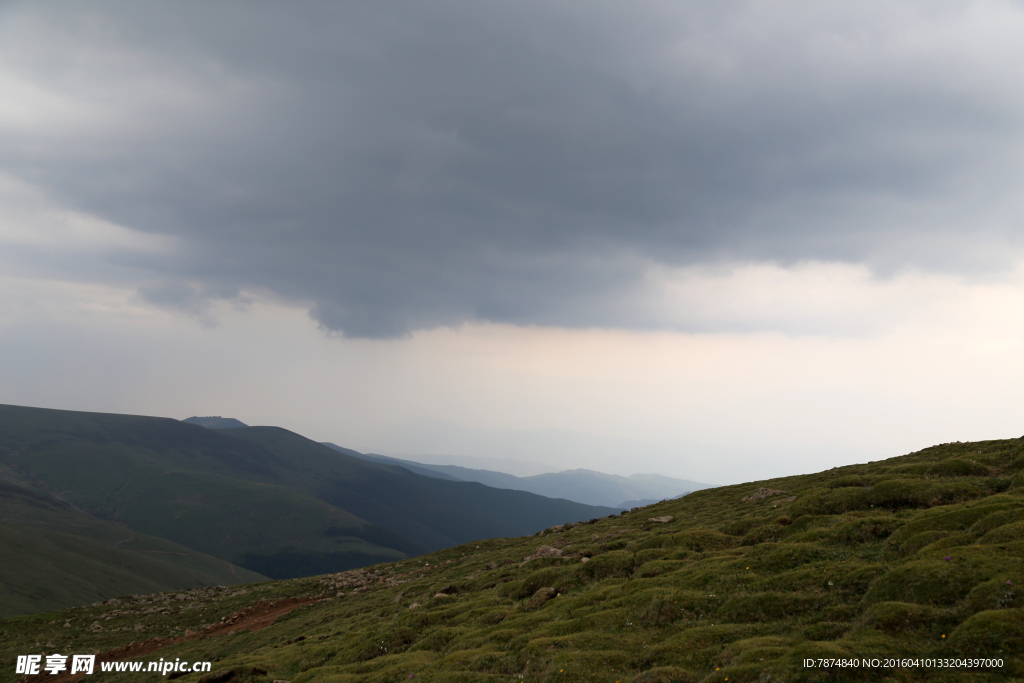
(263, 498)
(582, 486)
(630, 504)
(55, 556)
(915, 561)
(216, 422)
(418, 468)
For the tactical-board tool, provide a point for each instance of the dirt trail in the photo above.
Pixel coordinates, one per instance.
(253, 618)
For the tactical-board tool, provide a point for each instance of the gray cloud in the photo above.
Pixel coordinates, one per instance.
(401, 166)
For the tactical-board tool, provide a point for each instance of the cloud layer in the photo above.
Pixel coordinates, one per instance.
(398, 167)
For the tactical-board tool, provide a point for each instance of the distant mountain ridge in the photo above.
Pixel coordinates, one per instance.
(580, 485)
(262, 498)
(216, 422)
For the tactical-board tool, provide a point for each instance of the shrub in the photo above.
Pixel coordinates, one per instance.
(767, 606)
(859, 580)
(615, 563)
(555, 577)
(767, 533)
(899, 616)
(852, 480)
(918, 541)
(702, 540)
(865, 530)
(661, 611)
(658, 541)
(1005, 534)
(826, 630)
(998, 632)
(658, 567)
(644, 556)
(666, 674)
(931, 581)
(956, 467)
(997, 593)
(791, 555)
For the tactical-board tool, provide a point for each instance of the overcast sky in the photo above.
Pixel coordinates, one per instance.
(742, 239)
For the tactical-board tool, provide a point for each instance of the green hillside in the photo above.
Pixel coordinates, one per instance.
(917, 557)
(54, 556)
(260, 497)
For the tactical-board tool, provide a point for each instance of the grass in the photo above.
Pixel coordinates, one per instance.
(916, 556)
(55, 556)
(259, 497)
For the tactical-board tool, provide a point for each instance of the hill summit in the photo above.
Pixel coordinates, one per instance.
(216, 422)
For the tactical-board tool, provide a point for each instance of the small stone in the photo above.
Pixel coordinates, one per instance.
(584, 559)
(661, 520)
(761, 494)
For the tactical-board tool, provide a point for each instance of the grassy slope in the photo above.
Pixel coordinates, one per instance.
(261, 497)
(917, 556)
(54, 556)
(177, 481)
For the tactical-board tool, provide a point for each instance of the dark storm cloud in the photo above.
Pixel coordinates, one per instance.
(398, 166)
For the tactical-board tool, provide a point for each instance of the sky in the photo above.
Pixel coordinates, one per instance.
(719, 241)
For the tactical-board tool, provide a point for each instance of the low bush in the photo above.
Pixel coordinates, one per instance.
(768, 606)
(607, 565)
(997, 632)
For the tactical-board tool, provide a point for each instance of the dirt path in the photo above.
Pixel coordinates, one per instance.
(131, 537)
(253, 618)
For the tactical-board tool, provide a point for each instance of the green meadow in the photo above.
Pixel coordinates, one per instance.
(919, 557)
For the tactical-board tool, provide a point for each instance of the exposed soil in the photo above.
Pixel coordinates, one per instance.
(253, 618)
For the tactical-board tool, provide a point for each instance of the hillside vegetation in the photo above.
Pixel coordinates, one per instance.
(262, 498)
(54, 556)
(918, 556)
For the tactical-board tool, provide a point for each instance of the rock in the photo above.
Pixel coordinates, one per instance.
(544, 551)
(584, 559)
(219, 676)
(414, 605)
(662, 520)
(95, 627)
(542, 596)
(761, 494)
